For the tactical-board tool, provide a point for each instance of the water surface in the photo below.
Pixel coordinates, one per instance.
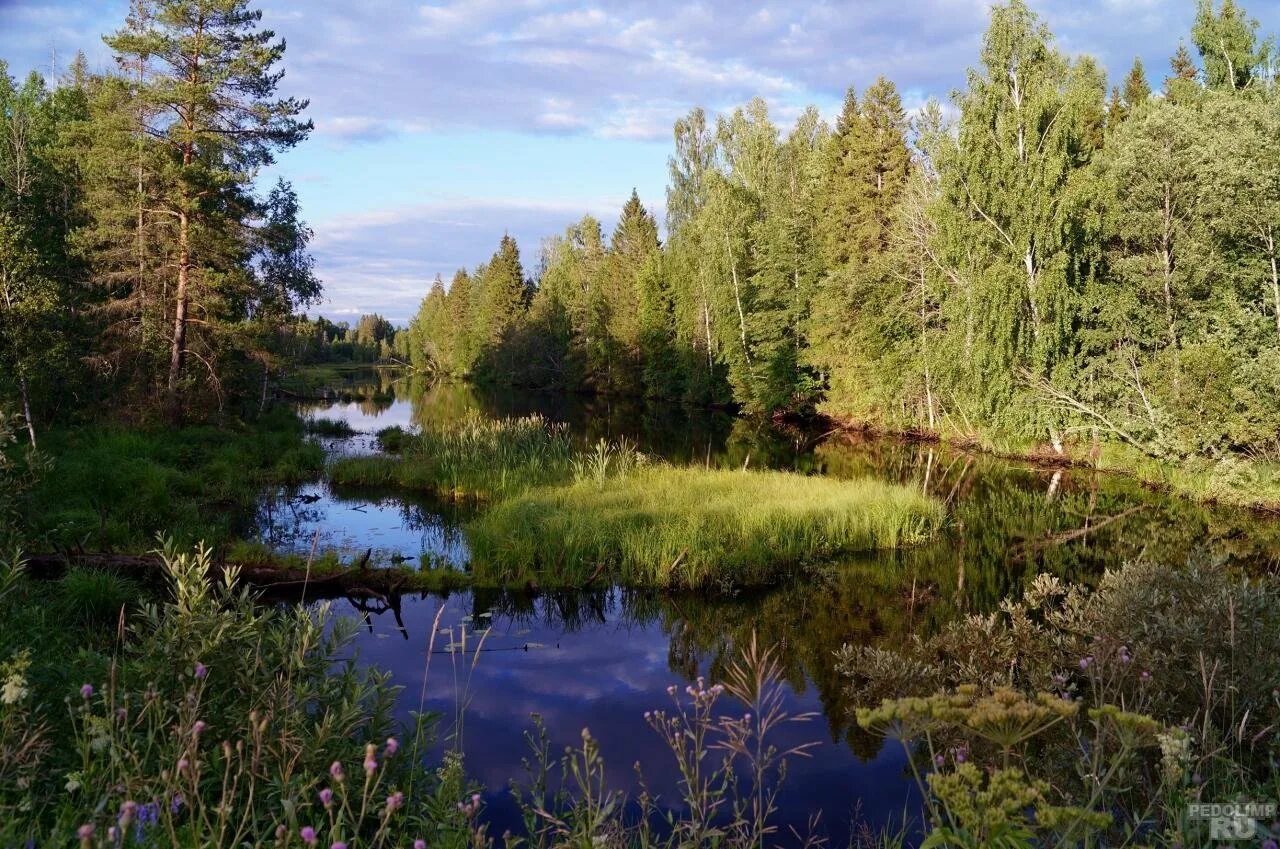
(599, 659)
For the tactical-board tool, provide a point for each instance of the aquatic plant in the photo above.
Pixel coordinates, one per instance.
(334, 428)
(477, 458)
(668, 526)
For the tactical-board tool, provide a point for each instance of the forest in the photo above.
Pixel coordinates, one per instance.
(1043, 262)
(786, 522)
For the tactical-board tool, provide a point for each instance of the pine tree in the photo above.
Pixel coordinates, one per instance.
(210, 101)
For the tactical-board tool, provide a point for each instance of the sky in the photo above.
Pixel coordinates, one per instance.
(440, 126)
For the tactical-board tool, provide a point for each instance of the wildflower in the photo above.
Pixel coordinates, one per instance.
(175, 804)
(200, 671)
(86, 691)
(85, 831)
(419, 844)
(1124, 654)
(1086, 661)
(335, 772)
(326, 797)
(394, 802)
(1270, 843)
(198, 727)
(370, 762)
(127, 810)
(113, 834)
(939, 760)
(308, 835)
(15, 689)
(338, 844)
(1145, 676)
(393, 746)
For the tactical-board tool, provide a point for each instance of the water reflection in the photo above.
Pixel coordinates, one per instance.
(601, 658)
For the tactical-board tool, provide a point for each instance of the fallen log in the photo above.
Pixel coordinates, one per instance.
(274, 578)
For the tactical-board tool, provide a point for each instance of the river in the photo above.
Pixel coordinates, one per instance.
(600, 659)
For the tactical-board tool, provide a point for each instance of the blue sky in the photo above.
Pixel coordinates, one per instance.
(441, 125)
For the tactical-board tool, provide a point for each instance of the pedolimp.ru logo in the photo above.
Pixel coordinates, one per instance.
(1234, 820)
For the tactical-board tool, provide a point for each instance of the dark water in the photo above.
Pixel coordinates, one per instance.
(600, 659)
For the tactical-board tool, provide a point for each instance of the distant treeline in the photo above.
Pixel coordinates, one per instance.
(373, 339)
(1058, 264)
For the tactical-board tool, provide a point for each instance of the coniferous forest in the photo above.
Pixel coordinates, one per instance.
(1047, 260)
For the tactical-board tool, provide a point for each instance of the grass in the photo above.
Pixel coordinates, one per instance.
(335, 428)
(665, 526)
(114, 488)
(476, 459)
(97, 595)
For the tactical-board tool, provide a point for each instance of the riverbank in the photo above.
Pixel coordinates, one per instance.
(1237, 481)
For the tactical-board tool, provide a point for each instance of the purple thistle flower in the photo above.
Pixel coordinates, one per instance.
(200, 671)
(326, 797)
(86, 691)
(308, 835)
(394, 802)
(1086, 661)
(419, 844)
(335, 771)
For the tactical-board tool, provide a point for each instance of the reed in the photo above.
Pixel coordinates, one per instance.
(475, 459)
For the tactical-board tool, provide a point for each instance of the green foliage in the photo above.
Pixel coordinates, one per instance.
(663, 526)
(1191, 650)
(220, 723)
(477, 458)
(111, 487)
(98, 596)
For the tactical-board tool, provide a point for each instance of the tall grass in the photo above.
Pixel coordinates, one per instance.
(110, 487)
(665, 526)
(476, 459)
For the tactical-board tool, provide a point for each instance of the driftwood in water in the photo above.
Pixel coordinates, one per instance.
(276, 579)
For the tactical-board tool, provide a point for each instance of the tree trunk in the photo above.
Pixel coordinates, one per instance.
(26, 410)
(178, 349)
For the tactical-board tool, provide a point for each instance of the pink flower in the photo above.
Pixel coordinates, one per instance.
(86, 831)
(86, 691)
(201, 670)
(370, 762)
(419, 844)
(308, 835)
(393, 746)
(326, 797)
(198, 727)
(335, 771)
(338, 844)
(394, 802)
(183, 764)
